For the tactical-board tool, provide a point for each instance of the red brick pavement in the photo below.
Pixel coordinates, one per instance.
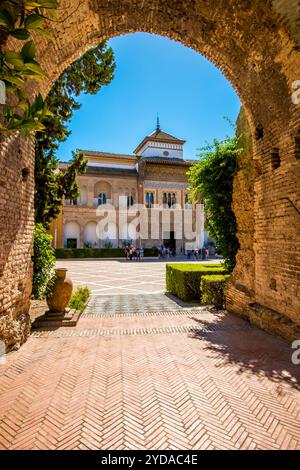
(194, 380)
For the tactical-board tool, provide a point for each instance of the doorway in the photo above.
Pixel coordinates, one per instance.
(171, 241)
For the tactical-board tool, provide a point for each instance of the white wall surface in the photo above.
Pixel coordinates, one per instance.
(90, 235)
(71, 230)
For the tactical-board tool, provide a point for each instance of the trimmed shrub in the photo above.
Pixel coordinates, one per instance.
(183, 280)
(63, 253)
(43, 263)
(213, 290)
(79, 298)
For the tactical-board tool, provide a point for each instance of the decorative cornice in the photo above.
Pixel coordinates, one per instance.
(167, 161)
(166, 185)
(110, 171)
(92, 153)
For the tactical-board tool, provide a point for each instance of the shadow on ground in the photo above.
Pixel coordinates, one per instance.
(234, 341)
(181, 303)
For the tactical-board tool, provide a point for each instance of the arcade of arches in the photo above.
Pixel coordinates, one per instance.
(256, 44)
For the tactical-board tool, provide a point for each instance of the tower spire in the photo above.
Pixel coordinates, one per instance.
(157, 124)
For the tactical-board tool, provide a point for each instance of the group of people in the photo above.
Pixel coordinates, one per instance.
(134, 253)
(198, 254)
(166, 252)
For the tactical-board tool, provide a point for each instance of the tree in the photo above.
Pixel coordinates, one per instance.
(53, 185)
(212, 178)
(87, 74)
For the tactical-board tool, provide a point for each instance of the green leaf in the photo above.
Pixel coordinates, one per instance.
(28, 125)
(6, 19)
(28, 51)
(34, 22)
(25, 133)
(39, 126)
(49, 3)
(34, 67)
(10, 88)
(14, 58)
(21, 33)
(24, 105)
(38, 102)
(16, 80)
(45, 33)
(32, 76)
(3, 24)
(31, 5)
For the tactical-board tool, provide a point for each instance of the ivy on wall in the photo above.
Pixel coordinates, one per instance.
(18, 20)
(212, 178)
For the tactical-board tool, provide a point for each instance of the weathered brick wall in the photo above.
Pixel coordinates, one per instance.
(16, 234)
(255, 44)
(265, 286)
(242, 288)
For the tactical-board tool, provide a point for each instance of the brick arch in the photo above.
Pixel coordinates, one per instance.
(255, 46)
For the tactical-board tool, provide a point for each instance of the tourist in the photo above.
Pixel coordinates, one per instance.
(141, 254)
(130, 253)
(206, 253)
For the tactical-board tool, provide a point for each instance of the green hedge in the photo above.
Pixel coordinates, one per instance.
(213, 290)
(183, 280)
(62, 253)
(43, 263)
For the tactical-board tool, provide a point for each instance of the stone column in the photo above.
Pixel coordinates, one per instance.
(90, 193)
(81, 241)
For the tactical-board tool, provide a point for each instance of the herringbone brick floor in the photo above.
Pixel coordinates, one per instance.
(181, 379)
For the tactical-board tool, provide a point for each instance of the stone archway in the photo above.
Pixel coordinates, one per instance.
(256, 46)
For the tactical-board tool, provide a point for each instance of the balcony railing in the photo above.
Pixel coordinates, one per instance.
(96, 202)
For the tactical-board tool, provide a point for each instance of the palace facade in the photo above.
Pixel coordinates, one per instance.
(155, 178)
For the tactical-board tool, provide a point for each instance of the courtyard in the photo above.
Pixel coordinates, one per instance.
(120, 277)
(143, 371)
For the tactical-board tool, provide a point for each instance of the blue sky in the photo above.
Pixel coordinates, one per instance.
(154, 75)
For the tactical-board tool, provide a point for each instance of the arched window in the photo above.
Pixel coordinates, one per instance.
(130, 200)
(101, 199)
(169, 199)
(149, 200)
(187, 201)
